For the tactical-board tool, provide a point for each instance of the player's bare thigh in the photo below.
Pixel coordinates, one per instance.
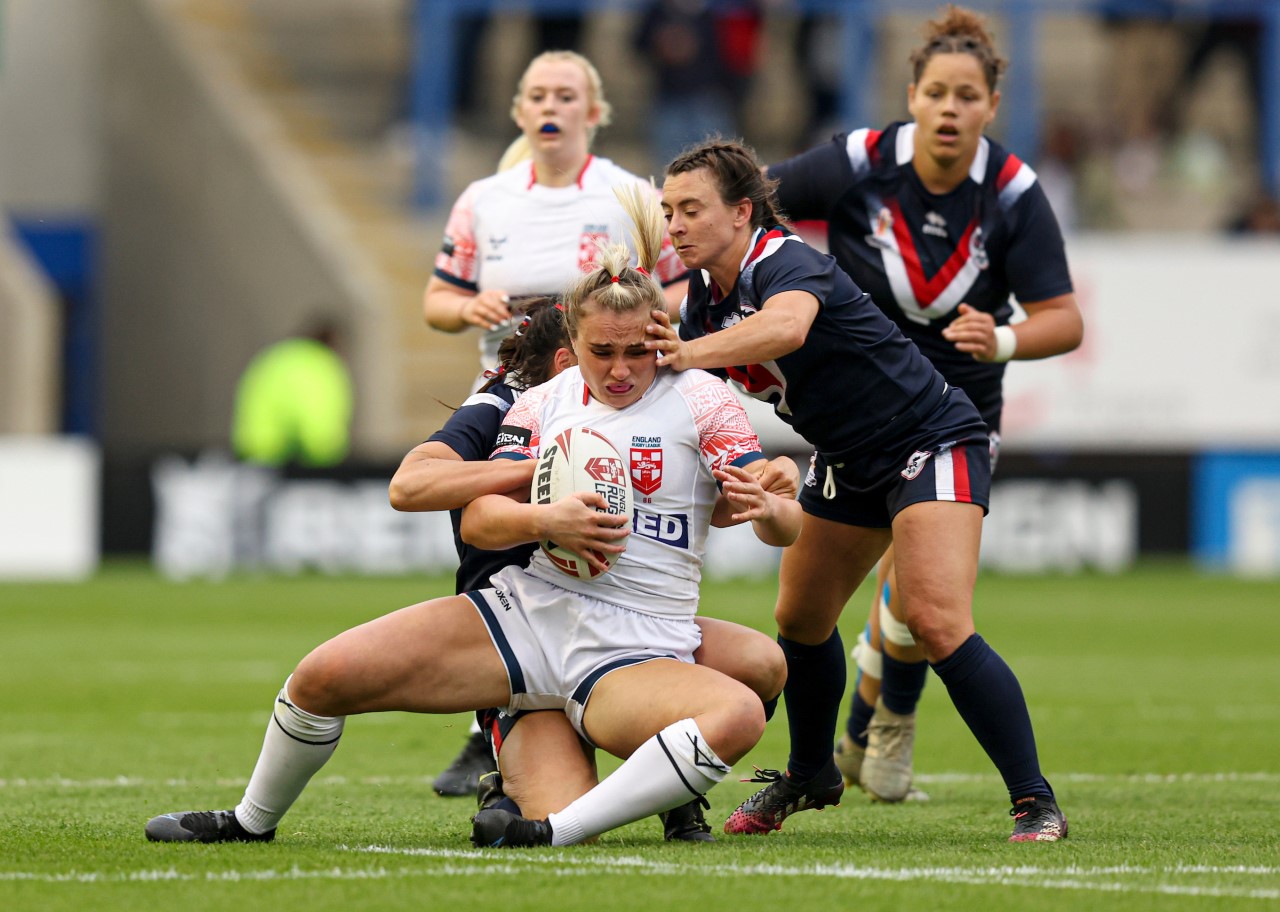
(544, 764)
(820, 572)
(743, 654)
(432, 657)
(936, 565)
(632, 704)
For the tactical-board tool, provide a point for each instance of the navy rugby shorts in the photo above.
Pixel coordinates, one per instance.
(945, 457)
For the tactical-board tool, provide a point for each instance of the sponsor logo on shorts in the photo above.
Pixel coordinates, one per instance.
(502, 599)
(915, 465)
(668, 528)
(811, 476)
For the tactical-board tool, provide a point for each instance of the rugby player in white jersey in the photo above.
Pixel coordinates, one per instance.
(527, 232)
(626, 680)
(530, 229)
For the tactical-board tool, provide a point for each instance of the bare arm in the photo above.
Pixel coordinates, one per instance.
(779, 476)
(576, 522)
(433, 477)
(776, 520)
(452, 309)
(778, 329)
(1053, 326)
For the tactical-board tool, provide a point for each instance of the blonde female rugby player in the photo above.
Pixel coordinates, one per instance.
(615, 653)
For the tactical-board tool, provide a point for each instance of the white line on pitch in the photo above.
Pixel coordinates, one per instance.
(18, 782)
(476, 862)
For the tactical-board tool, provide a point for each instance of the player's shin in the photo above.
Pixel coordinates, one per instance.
(902, 680)
(663, 772)
(296, 746)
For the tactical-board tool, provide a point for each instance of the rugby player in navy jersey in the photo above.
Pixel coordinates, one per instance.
(902, 456)
(940, 225)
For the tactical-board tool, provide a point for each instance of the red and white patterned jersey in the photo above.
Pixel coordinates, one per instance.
(685, 425)
(509, 232)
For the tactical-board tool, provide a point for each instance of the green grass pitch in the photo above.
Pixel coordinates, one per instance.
(1155, 695)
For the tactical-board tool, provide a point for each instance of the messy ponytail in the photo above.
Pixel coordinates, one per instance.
(960, 31)
(527, 357)
(612, 283)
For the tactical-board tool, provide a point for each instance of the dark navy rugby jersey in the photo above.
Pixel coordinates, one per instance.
(855, 374)
(920, 254)
(470, 432)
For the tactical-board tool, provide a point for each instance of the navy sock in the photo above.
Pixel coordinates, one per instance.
(859, 718)
(902, 684)
(770, 707)
(815, 686)
(989, 699)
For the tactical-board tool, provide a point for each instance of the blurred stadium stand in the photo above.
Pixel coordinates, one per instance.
(194, 176)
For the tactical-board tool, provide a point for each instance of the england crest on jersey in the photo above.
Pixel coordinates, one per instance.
(646, 469)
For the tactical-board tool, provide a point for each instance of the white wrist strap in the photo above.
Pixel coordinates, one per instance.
(1006, 343)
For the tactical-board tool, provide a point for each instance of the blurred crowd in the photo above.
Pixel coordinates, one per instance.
(1172, 144)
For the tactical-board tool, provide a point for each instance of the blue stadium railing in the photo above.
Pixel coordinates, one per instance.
(432, 88)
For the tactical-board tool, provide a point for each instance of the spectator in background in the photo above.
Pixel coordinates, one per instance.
(294, 402)
(1260, 216)
(558, 32)
(692, 94)
(818, 57)
(1060, 156)
(738, 31)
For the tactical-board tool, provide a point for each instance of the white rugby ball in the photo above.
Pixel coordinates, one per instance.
(580, 459)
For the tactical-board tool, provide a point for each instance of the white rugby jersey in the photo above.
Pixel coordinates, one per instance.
(508, 231)
(685, 425)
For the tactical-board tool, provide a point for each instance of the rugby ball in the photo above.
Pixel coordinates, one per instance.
(580, 459)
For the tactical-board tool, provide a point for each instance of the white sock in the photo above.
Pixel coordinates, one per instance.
(670, 769)
(296, 746)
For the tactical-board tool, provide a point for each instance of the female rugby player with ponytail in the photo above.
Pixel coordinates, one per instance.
(939, 225)
(544, 765)
(902, 456)
(615, 653)
(527, 231)
(531, 228)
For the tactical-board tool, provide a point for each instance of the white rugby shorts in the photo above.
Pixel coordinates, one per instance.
(558, 644)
